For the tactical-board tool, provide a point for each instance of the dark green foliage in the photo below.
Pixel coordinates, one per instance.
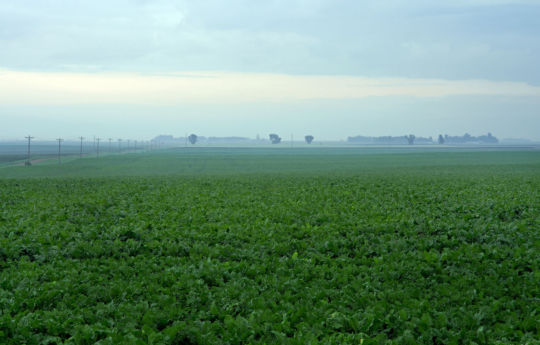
(274, 138)
(192, 138)
(405, 255)
(410, 138)
(441, 139)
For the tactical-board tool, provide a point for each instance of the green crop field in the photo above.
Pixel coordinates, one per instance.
(273, 246)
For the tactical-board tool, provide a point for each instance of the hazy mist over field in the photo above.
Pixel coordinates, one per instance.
(222, 68)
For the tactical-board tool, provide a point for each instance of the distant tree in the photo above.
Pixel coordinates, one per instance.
(192, 139)
(309, 138)
(441, 139)
(410, 138)
(487, 139)
(274, 138)
(492, 139)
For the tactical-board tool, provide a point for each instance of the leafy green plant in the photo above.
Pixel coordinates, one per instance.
(415, 255)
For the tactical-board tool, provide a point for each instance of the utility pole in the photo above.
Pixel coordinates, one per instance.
(97, 152)
(80, 153)
(28, 159)
(59, 149)
(119, 145)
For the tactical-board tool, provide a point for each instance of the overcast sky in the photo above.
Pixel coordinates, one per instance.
(331, 68)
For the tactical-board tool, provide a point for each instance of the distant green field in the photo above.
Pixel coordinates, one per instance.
(226, 161)
(8, 158)
(273, 246)
(16, 153)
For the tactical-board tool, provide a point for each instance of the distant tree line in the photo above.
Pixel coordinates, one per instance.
(193, 139)
(411, 139)
(390, 140)
(468, 139)
(172, 139)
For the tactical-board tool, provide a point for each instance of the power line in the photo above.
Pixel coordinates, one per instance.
(80, 153)
(97, 150)
(59, 149)
(27, 163)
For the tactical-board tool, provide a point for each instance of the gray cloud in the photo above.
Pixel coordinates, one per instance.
(459, 40)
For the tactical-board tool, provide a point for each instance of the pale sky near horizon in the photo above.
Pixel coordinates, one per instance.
(331, 68)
